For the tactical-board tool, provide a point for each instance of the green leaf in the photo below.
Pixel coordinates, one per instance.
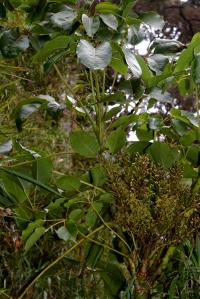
(104, 34)
(163, 154)
(54, 109)
(189, 137)
(166, 46)
(34, 237)
(188, 170)
(152, 19)
(12, 44)
(30, 228)
(173, 287)
(75, 215)
(138, 147)
(94, 255)
(155, 122)
(6, 147)
(186, 86)
(24, 111)
(160, 96)
(72, 229)
(90, 24)
(110, 20)
(124, 121)
(155, 81)
(167, 257)
(185, 59)
(128, 11)
(107, 7)
(136, 36)
(116, 140)
(144, 133)
(187, 55)
(73, 201)
(23, 215)
(5, 199)
(184, 116)
(85, 144)
(91, 216)
(14, 188)
(55, 58)
(112, 112)
(146, 73)
(107, 198)
(132, 20)
(69, 183)
(29, 179)
(132, 62)
(157, 62)
(94, 58)
(27, 107)
(133, 87)
(118, 62)
(196, 37)
(56, 204)
(59, 42)
(196, 69)
(196, 187)
(64, 19)
(27, 170)
(36, 10)
(42, 169)
(64, 234)
(179, 126)
(98, 175)
(191, 118)
(118, 97)
(193, 154)
(112, 277)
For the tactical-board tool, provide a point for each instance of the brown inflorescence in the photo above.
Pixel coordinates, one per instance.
(152, 202)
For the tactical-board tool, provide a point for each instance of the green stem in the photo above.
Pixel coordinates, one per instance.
(16, 76)
(72, 94)
(55, 224)
(197, 104)
(30, 180)
(4, 86)
(104, 83)
(63, 79)
(92, 86)
(103, 245)
(99, 110)
(56, 261)
(95, 100)
(6, 295)
(110, 228)
(113, 83)
(93, 186)
(89, 117)
(38, 159)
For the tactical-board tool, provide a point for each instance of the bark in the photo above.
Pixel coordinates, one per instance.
(184, 16)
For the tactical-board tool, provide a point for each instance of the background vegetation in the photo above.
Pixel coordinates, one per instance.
(99, 152)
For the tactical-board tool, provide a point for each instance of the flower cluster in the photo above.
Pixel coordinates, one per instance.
(151, 202)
